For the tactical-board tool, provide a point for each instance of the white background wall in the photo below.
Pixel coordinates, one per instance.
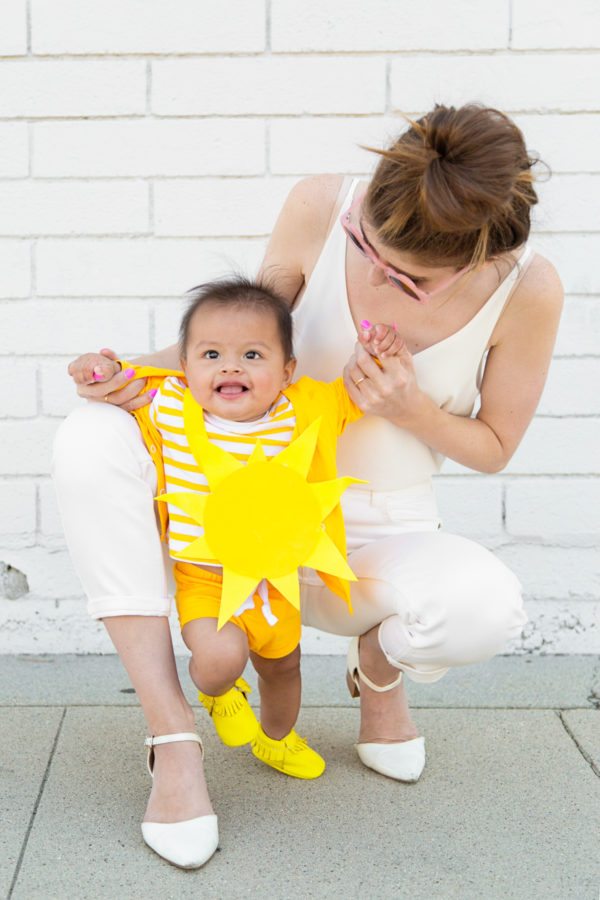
(146, 146)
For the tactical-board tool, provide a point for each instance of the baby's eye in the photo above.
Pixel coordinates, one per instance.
(211, 354)
(252, 354)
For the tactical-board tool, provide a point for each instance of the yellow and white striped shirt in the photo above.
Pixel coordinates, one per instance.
(274, 430)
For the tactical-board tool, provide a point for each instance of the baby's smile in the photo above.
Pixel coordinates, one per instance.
(231, 389)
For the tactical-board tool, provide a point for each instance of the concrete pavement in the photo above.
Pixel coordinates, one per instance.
(508, 806)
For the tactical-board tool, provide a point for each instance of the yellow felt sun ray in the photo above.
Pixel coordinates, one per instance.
(197, 550)
(215, 462)
(289, 587)
(328, 493)
(191, 504)
(236, 588)
(327, 558)
(298, 455)
(258, 454)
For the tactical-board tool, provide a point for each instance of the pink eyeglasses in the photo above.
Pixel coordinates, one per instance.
(395, 278)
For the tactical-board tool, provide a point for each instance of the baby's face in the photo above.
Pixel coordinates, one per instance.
(235, 365)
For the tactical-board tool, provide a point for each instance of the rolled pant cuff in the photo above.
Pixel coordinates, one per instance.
(426, 676)
(104, 607)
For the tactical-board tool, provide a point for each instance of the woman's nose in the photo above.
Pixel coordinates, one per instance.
(376, 276)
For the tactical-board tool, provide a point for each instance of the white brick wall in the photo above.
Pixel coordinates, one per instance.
(513, 82)
(74, 207)
(14, 150)
(15, 266)
(535, 25)
(127, 26)
(269, 86)
(58, 88)
(145, 147)
(13, 28)
(326, 25)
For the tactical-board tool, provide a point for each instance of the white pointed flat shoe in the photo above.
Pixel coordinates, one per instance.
(187, 844)
(402, 760)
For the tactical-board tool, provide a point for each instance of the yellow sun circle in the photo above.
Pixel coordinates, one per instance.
(249, 513)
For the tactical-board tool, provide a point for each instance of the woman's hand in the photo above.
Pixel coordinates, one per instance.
(388, 387)
(98, 377)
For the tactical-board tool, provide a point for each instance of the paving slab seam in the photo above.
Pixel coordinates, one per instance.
(595, 769)
(572, 707)
(38, 799)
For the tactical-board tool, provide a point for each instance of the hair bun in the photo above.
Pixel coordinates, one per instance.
(462, 172)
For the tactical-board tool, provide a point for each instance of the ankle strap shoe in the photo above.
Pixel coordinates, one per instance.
(187, 844)
(401, 760)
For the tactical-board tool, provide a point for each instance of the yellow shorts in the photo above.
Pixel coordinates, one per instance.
(199, 596)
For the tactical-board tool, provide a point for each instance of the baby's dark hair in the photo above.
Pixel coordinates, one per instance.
(242, 292)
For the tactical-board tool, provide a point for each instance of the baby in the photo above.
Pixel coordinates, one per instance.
(237, 359)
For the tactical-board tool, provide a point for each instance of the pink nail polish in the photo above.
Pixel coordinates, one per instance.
(97, 377)
(365, 323)
(105, 350)
(129, 373)
(153, 392)
(395, 326)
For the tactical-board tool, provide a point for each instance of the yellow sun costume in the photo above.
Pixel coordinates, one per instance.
(290, 502)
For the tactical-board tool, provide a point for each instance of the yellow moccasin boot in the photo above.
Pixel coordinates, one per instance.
(290, 755)
(232, 715)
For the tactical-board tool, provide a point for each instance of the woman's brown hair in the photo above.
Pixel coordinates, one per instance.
(455, 188)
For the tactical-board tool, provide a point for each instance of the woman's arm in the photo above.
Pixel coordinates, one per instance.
(299, 234)
(515, 374)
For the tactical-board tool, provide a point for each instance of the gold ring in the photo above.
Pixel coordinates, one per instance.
(356, 383)
(106, 398)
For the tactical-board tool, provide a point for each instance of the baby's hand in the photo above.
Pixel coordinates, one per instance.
(93, 367)
(380, 340)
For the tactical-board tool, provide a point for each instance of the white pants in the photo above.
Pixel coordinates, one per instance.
(446, 600)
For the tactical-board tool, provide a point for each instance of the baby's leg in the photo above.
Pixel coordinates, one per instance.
(280, 689)
(276, 743)
(218, 657)
(218, 660)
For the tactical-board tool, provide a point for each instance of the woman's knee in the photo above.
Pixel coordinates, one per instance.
(482, 605)
(88, 440)
(442, 596)
(99, 457)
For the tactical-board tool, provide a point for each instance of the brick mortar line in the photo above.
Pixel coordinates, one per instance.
(267, 51)
(36, 805)
(143, 116)
(29, 29)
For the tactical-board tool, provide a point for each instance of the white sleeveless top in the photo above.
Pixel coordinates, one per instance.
(449, 372)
